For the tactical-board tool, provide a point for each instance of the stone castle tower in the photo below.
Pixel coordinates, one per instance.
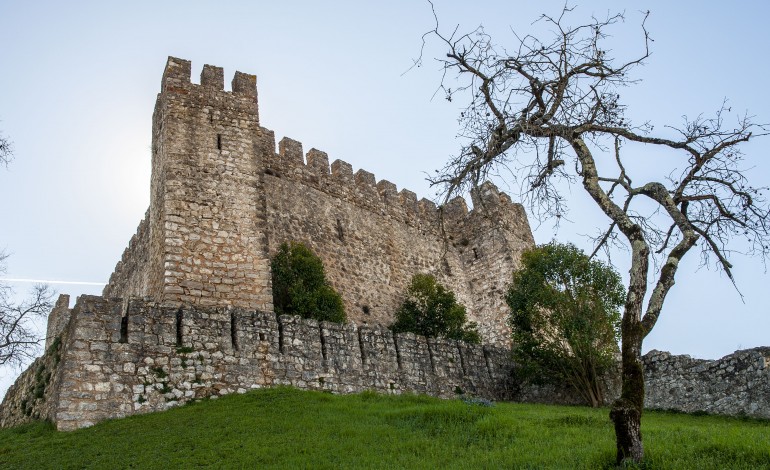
(222, 201)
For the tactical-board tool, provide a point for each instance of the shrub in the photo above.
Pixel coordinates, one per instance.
(300, 286)
(565, 318)
(430, 309)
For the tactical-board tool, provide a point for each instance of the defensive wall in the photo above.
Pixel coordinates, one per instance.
(223, 199)
(737, 384)
(114, 359)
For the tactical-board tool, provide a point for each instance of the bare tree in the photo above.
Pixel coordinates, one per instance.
(6, 151)
(18, 337)
(550, 111)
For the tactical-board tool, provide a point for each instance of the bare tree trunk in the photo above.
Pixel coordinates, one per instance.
(626, 411)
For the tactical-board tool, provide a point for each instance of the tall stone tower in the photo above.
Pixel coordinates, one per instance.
(201, 243)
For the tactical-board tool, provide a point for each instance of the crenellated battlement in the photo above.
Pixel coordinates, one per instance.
(178, 72)
(364, 190)
(339, 180)
(177, 80)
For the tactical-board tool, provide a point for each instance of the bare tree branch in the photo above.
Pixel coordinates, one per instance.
(6, 151)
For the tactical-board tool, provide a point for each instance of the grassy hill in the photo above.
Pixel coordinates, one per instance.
(287, 428)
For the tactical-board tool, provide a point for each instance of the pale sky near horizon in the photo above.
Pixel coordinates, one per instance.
(79, 81)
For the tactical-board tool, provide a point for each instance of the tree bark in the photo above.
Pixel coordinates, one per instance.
(626, 411)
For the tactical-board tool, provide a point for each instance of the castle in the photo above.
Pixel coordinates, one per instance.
(188, 311)
(222, 201)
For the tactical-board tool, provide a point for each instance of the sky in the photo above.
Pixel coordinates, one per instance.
(79, 80)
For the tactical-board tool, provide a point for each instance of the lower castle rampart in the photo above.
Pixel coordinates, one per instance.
(114, 359)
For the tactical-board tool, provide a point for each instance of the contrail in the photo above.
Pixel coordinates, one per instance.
(43, 281)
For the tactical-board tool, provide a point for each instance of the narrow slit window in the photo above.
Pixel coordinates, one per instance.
(234, 330)
(219, 141)
(179, 337)
(124, 329)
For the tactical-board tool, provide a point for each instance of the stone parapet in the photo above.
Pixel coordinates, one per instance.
(115, 359)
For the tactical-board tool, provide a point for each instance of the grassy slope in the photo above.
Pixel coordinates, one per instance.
(286, 428)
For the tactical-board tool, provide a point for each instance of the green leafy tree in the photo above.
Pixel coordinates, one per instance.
(430, 309)
(565, 317)
(300, 286)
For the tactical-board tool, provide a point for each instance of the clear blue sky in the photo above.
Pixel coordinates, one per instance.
(79, 80)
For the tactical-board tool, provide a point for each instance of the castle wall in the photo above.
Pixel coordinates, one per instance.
(373, 239)
(368, 256)
(115, 359)
(118, 359)
(737, 384)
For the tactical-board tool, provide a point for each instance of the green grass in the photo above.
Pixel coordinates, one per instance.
(287, 428)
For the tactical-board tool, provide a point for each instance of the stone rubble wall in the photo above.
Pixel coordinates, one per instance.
(737, 384)
(131, 273)
(117, 359)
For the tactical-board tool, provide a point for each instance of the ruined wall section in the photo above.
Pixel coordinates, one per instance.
(737, 384)
(373, 238)
(490, 240)
(58, 319)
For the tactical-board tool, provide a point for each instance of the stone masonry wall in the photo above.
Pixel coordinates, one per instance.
(132, 271)
(115, 359)
(737, 384)
(372, 241)
(223, 200)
